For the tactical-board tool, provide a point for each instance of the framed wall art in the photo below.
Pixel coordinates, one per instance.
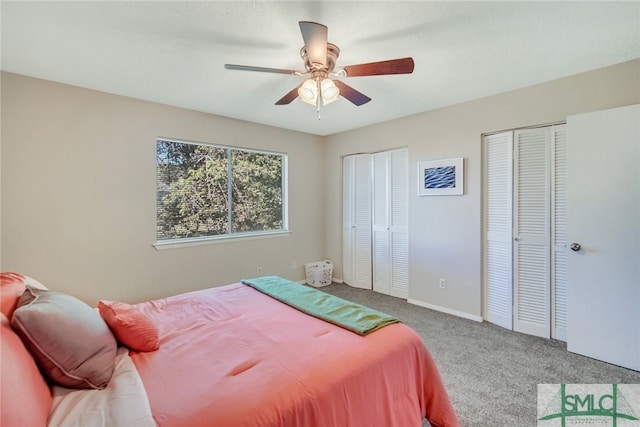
(441, 177)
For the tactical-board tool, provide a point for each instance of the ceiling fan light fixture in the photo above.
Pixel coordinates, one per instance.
(319, 57)
(308, 92)
(329, 91)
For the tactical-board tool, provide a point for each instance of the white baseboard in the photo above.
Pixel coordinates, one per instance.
(334, 280)
(302, 282)
(446, 310)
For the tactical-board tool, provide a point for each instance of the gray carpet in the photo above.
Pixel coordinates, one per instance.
(491, 373)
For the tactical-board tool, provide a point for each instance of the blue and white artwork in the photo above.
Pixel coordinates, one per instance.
(442, 177)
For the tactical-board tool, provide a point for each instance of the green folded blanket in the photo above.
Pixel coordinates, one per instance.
(355, 317)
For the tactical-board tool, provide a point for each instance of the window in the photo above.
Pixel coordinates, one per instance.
(206, 192)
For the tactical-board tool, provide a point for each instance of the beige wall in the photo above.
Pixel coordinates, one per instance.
(445, 231)
(79, 188)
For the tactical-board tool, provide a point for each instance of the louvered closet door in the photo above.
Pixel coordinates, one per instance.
(498, 215)
(361, 224)
(559, 234)
(390, 223)
(348, 184)
(399, 222)
(381, 234)
(531, 269)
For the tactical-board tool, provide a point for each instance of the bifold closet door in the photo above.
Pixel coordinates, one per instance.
(532, 232)
(381, 234)
(390, 223)
(399, 222)
(524, 211)
(559, 234)
(356, 222)
(498, 229)
(375, 222)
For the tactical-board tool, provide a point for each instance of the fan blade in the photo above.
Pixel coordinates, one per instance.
(288, 98)
(261, 69)
(392, 66)
(315, 41)
(351, 94)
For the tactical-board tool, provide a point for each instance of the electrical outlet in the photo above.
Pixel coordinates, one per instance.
(259, 270)
(443, 283)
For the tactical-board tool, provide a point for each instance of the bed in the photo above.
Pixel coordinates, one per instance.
(236, 356)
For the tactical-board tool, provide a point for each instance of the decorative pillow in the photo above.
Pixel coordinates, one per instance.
(12, 286)
(26, 398)
(69, 341)
(129, 325)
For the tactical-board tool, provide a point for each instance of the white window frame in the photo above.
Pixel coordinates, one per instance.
(220, 238)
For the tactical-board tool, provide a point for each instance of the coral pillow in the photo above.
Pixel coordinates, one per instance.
(12, 286)
(69, 341)
(26, 398)
(129, 325)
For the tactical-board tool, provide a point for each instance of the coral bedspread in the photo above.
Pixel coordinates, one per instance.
(232, 356)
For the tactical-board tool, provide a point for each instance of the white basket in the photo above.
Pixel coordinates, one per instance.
(319, 273)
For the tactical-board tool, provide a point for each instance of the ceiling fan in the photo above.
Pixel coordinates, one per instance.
(319, 58)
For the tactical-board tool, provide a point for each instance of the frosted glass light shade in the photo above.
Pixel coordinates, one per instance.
(329, 90)
(308, 92)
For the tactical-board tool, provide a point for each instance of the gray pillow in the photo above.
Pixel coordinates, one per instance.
(69, 341)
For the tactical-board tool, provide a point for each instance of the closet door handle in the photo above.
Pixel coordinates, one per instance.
(575, 247)
(517, 239)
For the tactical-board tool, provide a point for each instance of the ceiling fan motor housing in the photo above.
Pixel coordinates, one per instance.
(333, 52)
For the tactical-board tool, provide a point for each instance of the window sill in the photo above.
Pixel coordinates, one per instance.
(200, 241)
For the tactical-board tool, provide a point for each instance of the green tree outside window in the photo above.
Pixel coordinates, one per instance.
(205, 190)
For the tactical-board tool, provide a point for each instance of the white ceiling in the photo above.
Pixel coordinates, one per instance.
(174, 52)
